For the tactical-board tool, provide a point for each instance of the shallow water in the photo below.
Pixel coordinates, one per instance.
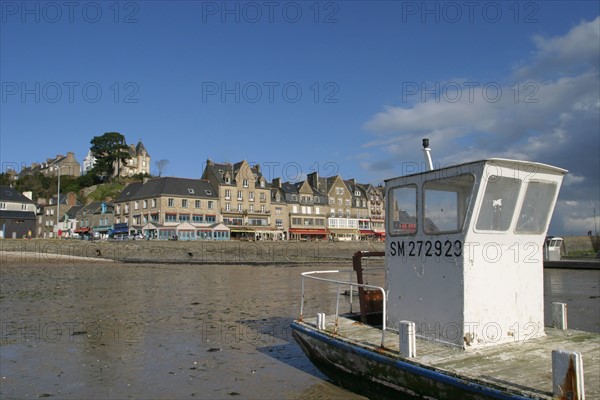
(108, 331)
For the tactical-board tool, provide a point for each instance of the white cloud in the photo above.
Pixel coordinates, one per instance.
(576, 217)
(579, 48)
(572, 179)
(551, 116)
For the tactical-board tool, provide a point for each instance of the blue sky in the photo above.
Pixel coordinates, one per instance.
(336, 87)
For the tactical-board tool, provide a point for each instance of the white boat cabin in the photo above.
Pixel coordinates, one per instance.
(552, 248)
(464, 251)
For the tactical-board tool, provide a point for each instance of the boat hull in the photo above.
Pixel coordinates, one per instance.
(376, 374)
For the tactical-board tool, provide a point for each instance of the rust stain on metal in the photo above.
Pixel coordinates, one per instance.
(370, 301)
(569, 385)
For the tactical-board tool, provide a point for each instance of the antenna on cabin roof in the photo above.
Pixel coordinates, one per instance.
(427, 154)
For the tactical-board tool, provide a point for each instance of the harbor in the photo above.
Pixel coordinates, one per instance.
(73, 329)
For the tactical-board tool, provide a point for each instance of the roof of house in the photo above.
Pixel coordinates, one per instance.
(95, 207)
(168, 186)
(219, 170)
(10, 214)
(73, 211)
(11, 195)
(140, 148)
(64, 198)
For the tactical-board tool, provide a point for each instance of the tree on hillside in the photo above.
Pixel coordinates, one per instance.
(161, 165)
(109, 149)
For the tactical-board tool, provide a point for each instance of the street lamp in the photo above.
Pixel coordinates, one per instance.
(59, 170)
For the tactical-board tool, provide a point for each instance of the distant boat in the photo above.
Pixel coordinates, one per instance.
(461, 312)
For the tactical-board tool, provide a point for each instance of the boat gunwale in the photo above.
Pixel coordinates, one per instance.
(387, 357)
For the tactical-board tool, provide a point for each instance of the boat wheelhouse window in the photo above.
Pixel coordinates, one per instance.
(536, 206)
(498, 204)
(446, 203)
(555, 243)
(403, 210)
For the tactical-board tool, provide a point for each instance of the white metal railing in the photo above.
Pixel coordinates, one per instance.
(310, 274)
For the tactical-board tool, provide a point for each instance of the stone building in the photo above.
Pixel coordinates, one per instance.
(245, 199)
(95, 219)
(48, 225)
(170, 208)
(306, 210)
(138, 162)
(341, 225)
(66, 165)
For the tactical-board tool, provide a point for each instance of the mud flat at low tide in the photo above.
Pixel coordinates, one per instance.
(101, 329)
(105, 330)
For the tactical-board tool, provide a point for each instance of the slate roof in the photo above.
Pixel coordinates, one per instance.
(288, 187)
(168, 186)
(140, 148)
(220, 169)
(73, 211)
(11, 195)
(10, 214)
(64, 198)
(95, 207)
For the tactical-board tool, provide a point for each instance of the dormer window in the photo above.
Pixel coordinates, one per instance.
(208, 192)
(191, 191)
(227, 179)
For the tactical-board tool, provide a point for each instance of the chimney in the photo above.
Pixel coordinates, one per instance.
(209, 162)
(71, 199)
(257, 167)
(427, 154)
(313, 180)
(352, 181)
(276, 183)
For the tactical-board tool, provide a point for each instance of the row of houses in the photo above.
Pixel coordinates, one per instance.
(137, 163)
(229, 201)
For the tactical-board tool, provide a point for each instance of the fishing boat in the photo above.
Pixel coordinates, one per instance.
(460, 314)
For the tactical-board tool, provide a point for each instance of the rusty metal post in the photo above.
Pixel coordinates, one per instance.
(357, 266)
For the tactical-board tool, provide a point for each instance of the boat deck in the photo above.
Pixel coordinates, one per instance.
(525, 367)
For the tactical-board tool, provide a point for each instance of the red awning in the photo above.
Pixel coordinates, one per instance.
(380, 233)
(308, 231)
(82, 230)
(366, 232)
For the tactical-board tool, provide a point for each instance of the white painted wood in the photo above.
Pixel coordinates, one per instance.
(559, 315)
(321, 321)
(408, 344)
